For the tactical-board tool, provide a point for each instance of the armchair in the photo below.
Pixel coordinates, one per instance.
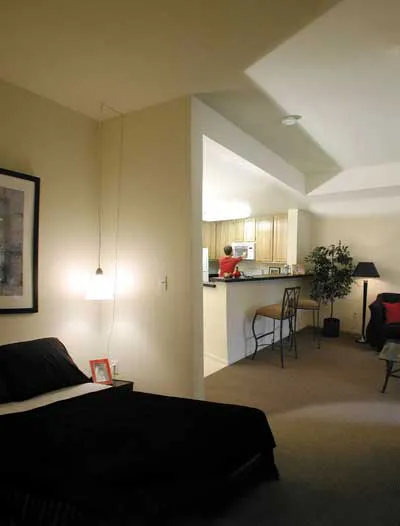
(378, 331)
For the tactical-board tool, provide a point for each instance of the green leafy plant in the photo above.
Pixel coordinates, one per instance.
(332, 269)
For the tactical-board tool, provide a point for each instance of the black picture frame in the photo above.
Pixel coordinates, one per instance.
(274, 270)
(19, 242)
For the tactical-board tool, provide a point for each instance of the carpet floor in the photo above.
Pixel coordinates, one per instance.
(337, 435)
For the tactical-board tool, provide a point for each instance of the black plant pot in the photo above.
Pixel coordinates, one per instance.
(331, 327)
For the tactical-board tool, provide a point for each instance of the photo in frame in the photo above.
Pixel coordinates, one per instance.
(101, 371)
(274, 270)
(19, 235)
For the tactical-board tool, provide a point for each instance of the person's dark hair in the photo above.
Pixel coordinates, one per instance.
(228, 250)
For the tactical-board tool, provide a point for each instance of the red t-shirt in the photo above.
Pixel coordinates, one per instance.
(228, 264)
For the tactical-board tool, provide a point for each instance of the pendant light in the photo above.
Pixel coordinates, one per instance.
(99, 287)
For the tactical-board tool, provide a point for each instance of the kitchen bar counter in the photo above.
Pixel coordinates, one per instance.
(261, 277)
(228, 312)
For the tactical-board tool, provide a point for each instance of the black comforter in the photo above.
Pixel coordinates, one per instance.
(114, 454)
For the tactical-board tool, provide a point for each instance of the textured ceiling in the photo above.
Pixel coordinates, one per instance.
(134, 53)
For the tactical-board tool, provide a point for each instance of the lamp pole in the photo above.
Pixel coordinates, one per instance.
(364, 309)
(365, 269)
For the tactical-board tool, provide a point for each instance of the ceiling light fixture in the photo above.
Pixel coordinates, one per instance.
(290, 120)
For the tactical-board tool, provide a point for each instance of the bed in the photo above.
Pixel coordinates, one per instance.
(75, 452)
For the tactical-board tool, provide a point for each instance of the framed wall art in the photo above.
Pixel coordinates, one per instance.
(19, 235)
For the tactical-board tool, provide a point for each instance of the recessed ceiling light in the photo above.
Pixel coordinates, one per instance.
(290, 120)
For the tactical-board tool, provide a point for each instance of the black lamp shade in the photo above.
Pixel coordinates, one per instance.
(365, 269)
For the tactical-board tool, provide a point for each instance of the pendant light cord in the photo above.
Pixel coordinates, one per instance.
(117, 225)
(99, 243)
(100, 188)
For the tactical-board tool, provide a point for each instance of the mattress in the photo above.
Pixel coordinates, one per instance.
(50, 398)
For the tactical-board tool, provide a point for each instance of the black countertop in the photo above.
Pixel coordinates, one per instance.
(266, 277)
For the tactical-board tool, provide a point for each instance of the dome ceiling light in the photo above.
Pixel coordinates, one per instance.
(290, 120)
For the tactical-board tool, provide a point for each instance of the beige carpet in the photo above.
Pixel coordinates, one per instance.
(338, 437)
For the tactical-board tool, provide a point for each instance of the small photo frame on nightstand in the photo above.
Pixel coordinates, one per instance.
(101, 371)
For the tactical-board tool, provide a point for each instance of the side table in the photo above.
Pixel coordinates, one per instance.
(391, 354)
(126, 385)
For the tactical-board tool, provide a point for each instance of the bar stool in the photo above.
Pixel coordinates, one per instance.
(279, 312)
(315, 307)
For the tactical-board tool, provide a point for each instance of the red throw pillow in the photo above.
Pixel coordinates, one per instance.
(392, 312)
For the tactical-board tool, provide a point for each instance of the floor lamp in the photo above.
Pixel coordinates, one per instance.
(365, 269)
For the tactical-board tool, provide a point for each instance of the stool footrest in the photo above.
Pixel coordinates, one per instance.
(259, 336)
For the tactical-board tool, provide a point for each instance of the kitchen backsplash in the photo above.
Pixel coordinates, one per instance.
(255, 268)
(250, 268)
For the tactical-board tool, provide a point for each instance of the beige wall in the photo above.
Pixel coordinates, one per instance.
(153, 333)
(215, 312)
(149, 228)
(299, 236)
(304, 245)
(44, 139)
(370, 239)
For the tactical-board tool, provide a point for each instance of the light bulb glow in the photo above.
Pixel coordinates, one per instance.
(99, 287)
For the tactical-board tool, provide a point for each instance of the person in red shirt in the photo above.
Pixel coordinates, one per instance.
(228, 263)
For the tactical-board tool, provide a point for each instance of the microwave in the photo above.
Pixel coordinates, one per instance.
(245, 249)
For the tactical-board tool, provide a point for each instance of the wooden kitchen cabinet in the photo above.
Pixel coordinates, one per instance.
(228, 232)
(236, 230)
(269, 233)
(249, 229)
(280, 237)
(222, 237)
(209, 238)
(264, 227)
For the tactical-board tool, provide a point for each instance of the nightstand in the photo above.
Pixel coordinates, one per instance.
(126, 385)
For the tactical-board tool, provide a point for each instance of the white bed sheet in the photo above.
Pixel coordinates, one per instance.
(50, 398)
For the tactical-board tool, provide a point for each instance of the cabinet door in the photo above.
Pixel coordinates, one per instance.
(280, 238)
(228, 232)
(223, 233)
(209, 228)
(236, 230)
(264, 235)
(249, 229)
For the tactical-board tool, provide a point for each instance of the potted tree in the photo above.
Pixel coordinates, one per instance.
(332, 269)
